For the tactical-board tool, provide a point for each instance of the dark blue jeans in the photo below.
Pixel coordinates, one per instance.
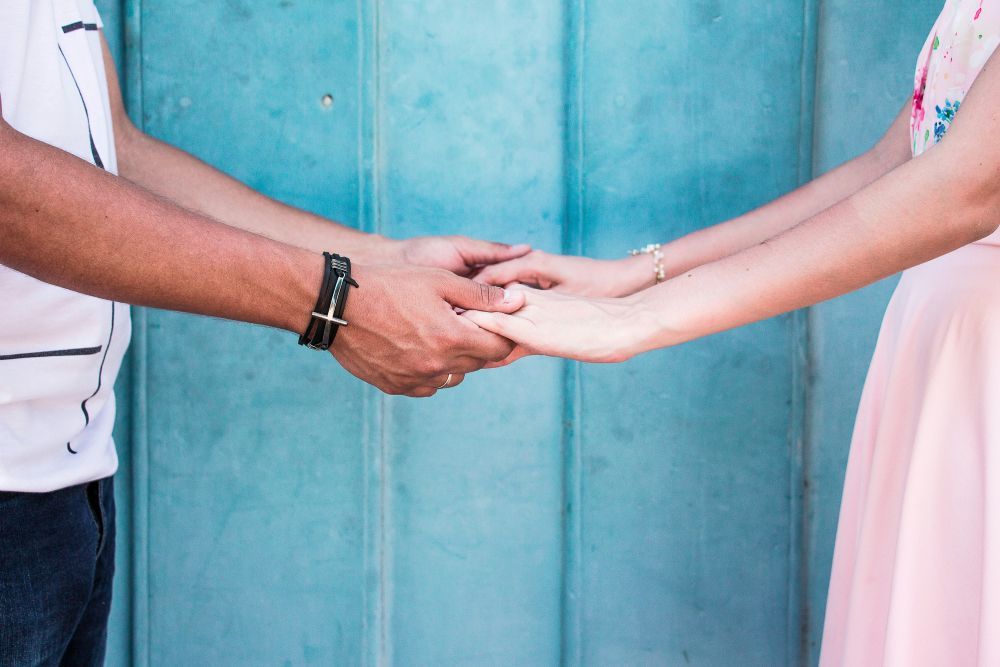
(57, 560)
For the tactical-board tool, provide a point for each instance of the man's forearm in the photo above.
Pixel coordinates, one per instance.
(71, 224)
(183, 178)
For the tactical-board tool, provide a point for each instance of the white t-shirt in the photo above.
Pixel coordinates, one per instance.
(60, 351)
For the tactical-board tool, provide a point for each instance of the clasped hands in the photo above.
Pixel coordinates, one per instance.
(432, 309)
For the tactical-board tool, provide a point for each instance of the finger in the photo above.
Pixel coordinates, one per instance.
(505, 273)
(468, 364)
(511, 327)
(448, 381)
(475, 347)
(444, 384)
(469, 295)
(519, 353)
(483, 346)
(475, 252)
(444, 381)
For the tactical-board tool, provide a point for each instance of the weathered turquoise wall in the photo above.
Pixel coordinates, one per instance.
(678, 509)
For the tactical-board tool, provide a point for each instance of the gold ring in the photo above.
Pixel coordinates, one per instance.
(447, 382)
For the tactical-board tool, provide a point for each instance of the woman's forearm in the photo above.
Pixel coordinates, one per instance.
(629, 275)
(745, 231)
(924, 208)
(879, 231)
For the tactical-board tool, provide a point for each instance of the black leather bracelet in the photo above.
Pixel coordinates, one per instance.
(328, 316)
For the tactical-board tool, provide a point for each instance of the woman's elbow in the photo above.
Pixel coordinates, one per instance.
(977, 203)
(968, 187)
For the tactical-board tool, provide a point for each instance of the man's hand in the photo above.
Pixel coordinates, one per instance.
(458, 254)
(404, 335)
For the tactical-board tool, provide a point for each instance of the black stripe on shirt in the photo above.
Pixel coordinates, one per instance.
(90, 133)
(79, 25)
(100, 371)
(73, 352)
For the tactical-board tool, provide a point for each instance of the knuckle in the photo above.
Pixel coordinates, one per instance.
(451, 338)
(454, 343)
(434, 363)
(428, 366)
(469, 365)
(438, 277)
(500, 355)
(475, 365)
(489, 293)
(482, 356)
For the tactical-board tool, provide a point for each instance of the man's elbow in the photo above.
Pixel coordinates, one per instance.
(12, 145)
(7, 133)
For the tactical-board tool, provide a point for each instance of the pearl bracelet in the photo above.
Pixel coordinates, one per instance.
(654, 249)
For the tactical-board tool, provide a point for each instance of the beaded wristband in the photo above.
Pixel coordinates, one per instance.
(654, 249)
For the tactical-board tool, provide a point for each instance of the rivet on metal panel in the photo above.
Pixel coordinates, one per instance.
(327, 101)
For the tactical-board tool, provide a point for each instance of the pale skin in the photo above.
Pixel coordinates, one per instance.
(173, 233)
(873, 217)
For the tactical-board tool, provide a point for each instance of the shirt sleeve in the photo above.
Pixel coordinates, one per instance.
(96, 16)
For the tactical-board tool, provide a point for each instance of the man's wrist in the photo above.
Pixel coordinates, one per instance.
(370, 249)
(327, 316)
(305, 277)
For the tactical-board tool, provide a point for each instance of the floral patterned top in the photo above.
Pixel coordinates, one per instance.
(965, 36)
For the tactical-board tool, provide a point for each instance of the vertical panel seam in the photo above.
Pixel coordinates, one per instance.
(376, 641)
(365, 224)
(139, 426)
(571, 603)
(798, 607)
(371, 438)
(385, 547)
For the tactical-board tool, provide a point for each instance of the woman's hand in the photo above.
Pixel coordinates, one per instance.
(573, 275)
(598, 330)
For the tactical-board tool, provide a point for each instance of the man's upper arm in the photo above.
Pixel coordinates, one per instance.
(123, 126)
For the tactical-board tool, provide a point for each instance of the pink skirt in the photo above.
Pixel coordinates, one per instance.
(916, 571)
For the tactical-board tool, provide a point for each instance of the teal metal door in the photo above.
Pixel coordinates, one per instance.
(677, 509)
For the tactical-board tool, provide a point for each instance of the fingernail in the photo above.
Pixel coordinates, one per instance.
(507, 297)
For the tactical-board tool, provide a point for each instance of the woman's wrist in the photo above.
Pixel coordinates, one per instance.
(647, 325)
(636, 273)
